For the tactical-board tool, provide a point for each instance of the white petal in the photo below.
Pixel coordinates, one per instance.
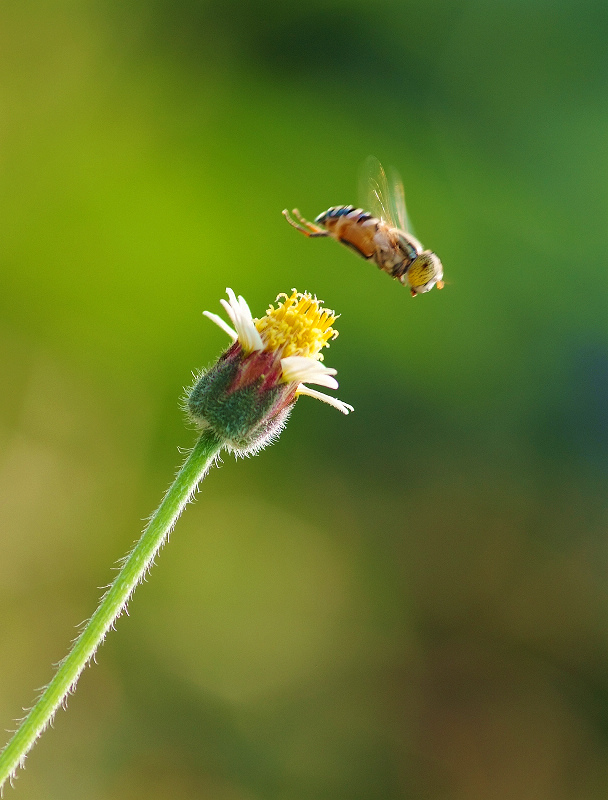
(301, 368)
(345, 408)
(223, 325)
(231, 296)
(239, 313)
(229, 310)
(323, 380)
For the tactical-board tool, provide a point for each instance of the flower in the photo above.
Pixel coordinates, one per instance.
(248, 394)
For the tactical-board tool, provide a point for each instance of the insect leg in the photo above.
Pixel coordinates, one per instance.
(305, 227)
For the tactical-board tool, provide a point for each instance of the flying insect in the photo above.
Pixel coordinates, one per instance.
(381, 235)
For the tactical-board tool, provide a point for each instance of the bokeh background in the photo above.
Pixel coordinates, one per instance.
(409, 602)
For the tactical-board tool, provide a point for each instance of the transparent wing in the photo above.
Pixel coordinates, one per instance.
(375, 192)
(397, 200)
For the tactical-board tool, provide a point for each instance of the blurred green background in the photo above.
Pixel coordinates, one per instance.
(409, 602)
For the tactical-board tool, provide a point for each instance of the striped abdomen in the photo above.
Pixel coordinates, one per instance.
(351, 226)
(389, 248)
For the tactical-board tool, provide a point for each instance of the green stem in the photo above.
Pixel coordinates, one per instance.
(112, 604)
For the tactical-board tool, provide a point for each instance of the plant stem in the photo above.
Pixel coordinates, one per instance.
(112, 604)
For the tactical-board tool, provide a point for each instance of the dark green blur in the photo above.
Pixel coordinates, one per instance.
(408, 602)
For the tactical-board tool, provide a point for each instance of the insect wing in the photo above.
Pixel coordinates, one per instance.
(397, 200)
(375, 193)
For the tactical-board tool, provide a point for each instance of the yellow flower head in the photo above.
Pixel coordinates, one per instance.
(248, 394)
(299, 326)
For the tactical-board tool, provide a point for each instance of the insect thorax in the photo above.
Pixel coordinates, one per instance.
(394, 252)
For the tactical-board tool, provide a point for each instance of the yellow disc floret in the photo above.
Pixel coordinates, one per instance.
(298, 326)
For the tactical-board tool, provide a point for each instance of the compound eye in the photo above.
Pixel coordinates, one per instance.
(424, 272)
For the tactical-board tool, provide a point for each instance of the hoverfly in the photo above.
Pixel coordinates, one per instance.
(381, 235)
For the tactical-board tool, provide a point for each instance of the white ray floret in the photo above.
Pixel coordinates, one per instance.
(345, 408)
(223, 325)
(301, 368)
(240, 316)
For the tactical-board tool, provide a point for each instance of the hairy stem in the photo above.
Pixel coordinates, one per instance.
(112, 604)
